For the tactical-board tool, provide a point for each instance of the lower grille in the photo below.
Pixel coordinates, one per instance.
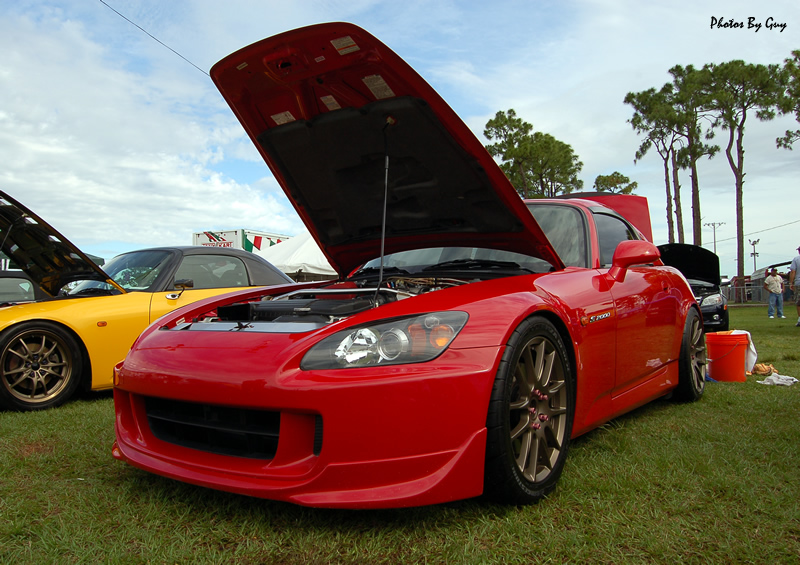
(317, 435)
(215, 429)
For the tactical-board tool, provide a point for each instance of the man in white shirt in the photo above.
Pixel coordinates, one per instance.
(773, 283)
(794, 283)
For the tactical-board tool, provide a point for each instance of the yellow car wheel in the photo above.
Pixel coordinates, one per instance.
(40, 366)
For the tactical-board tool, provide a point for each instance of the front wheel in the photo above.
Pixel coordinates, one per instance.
(693, 360)
(530, 416)
(40, 366)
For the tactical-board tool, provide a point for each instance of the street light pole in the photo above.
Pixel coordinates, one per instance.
(754, 254)
(713, 226)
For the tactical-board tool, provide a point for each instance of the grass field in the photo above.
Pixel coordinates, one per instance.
(709, 482)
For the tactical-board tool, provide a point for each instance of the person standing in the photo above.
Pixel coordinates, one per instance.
(773, 283)
(794, 283)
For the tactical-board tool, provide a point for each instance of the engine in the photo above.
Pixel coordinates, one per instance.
(320, 306)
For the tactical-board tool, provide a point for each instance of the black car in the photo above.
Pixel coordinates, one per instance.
(701, 269)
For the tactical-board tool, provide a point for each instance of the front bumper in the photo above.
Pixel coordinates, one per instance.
(715, 318)
(397, 436)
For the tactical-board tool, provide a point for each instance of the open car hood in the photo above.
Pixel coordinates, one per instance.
(693, 261)
(45, 255)
(328, 107)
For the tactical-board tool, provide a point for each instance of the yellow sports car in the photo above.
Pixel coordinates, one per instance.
(73, 338)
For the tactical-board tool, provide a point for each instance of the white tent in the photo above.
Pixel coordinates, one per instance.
(299, 257)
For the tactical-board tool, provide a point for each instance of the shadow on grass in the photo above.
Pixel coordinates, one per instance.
(201, 503)
(81, 395)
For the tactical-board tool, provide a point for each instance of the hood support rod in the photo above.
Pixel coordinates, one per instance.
(390, 121)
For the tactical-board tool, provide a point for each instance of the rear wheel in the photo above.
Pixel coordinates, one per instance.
(40, 366)
(692, 361)
(530, 415)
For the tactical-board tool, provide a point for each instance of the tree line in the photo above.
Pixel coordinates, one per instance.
(680, 122)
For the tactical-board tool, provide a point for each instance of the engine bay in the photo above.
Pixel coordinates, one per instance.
(312, 308)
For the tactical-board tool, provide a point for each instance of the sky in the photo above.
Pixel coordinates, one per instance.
(112, 131)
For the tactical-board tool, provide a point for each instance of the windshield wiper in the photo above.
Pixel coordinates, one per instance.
(476, 265)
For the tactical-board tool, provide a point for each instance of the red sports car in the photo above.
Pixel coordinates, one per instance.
(473, 336)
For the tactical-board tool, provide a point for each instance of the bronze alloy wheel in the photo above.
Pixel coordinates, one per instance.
(693, 359)
(537, 409)
(40, 365)
(530, 415)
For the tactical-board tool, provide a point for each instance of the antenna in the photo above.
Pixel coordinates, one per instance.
(390, 121)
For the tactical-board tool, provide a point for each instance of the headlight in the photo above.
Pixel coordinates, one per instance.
(404, 340)
(712, 300)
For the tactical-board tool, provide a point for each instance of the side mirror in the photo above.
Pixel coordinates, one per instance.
(183, 284)
(628, 253)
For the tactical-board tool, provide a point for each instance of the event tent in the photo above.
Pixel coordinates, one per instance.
(299, 257)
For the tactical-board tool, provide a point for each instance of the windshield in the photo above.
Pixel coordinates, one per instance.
(459, 259)
(132, 271)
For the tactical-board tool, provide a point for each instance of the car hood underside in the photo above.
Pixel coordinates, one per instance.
(45, 255)
(345, 125)
(693, 261)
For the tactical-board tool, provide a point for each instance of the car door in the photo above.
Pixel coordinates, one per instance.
(211, 274)
(567, 229)
(645, 310)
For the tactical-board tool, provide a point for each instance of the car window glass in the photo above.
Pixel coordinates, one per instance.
(132, 271)
(417, 259)
(14, 289)
(213, 271)
(565, 229)
(610, 232)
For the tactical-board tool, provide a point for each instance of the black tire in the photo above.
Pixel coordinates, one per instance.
(530, 416)
(693, 360)
(40, 366)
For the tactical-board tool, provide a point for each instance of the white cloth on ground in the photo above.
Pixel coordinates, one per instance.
(776, 379)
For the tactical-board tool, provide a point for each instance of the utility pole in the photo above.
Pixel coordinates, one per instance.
(713, 226)
(754, 254)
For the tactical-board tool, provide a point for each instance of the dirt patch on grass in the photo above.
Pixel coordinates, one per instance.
(37, 448)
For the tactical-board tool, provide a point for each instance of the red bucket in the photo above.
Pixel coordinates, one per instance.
(726, 356)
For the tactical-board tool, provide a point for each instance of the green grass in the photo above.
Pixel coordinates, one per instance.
(709, 482)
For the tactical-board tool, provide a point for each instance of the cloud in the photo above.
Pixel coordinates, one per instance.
(120, 143)
(105, 153)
